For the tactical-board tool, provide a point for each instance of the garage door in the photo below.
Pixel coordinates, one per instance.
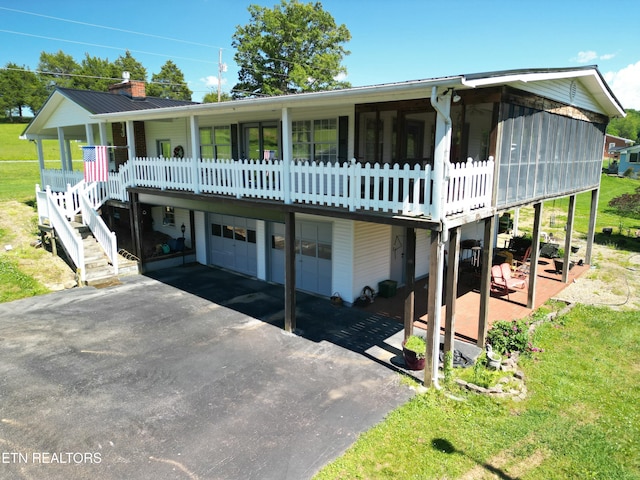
(313, 256)
(233, 243)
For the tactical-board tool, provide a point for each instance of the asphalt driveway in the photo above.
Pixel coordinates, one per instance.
(187, 375)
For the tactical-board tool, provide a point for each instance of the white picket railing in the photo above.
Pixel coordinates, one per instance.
(49, 209)
(383, 188)
(105, 237)
(469, 187)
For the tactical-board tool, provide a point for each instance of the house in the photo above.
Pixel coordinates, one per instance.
(629, 161)
(334, 191)
(613, 145)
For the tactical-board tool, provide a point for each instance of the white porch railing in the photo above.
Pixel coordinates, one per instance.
(105, 237)
(48, 208)
(382, 188)
(469, 187)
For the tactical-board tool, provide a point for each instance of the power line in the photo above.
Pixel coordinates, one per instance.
(105, 46)
(108, 28)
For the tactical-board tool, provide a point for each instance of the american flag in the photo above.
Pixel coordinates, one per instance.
(96, 163)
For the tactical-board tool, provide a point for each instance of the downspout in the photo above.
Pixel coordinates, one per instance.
(441, 173)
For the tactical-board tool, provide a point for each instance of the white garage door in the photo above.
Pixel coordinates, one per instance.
(233, 243)
(313, 256)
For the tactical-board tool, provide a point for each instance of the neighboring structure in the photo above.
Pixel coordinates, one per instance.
(629, 161)
(613, 145)
(333, 191)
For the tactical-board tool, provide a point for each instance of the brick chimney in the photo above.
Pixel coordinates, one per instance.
(132, 88)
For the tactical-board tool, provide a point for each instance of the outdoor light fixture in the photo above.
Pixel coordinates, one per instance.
(456, 97)
(182, 229)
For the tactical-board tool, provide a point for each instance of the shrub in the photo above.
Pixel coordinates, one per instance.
(506, 337)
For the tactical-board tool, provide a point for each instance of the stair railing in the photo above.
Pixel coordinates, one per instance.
(105, 237)
(69, 238)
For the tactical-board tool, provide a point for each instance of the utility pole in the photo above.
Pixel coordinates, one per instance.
(221, 69)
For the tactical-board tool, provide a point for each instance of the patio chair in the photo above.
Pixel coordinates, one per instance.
(502, 282)
(522, 264)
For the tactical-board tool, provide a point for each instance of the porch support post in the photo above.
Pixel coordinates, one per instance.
(451, 290)
(485, 279)
(592, 225)
(568, 237)
(290, 272)
(535, 255)
(88, 129)
(40, 159)
(135, 224)
(102, 129)
(63, 150)
(131, 140)
(194, 126)
(67, 146)
(442, 106)
(287, 155)
(410, 281)
(434, 309)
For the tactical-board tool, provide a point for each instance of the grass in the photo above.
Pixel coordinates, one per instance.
(579, 421)
(19, 167)
(554, 215)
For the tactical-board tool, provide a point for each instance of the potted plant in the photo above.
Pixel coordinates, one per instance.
(414, 349)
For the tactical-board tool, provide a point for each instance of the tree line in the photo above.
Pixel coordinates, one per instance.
(290, 48)
(21, 88)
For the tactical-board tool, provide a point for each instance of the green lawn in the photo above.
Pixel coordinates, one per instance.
(579, 421)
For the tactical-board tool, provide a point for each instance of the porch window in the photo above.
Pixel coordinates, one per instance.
(215, 142)
(315, 140)
(633, 158)
(169, 216)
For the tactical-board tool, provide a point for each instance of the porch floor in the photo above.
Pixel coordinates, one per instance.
(549, 285)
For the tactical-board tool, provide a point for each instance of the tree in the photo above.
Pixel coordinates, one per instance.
(131, 65)
(212, 97)
(57, 69)
(96, 74)
(291, 48)
(627, 127)
(18, 85)
(169, 83)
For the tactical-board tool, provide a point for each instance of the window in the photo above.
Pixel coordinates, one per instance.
(215, 142)
(234, 233)
(164, 148)
(169, 216)
(317, 140)
(633, 157)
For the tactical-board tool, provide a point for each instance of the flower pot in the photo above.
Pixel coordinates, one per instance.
(412, 360)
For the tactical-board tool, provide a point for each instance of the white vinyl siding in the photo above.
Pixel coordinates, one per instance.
(372, 262)
(342, 274)
(560, 90)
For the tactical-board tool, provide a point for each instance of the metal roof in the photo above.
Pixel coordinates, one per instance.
(104, 102)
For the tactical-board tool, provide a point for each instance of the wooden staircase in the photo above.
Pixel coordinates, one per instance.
(99, 271)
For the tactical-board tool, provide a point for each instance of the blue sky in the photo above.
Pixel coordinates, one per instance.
(391, 40)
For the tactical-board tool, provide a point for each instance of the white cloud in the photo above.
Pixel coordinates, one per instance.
(625, 84)
(590, 55)
(586, 57)
(212, 81)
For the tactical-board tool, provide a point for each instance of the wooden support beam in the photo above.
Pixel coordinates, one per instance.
(410, 281)
(434, 301)
(451, 290)
(592, 225)
(567, 240)
(535, 255)
(135, 225)
(290, 272)
(485, 279)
